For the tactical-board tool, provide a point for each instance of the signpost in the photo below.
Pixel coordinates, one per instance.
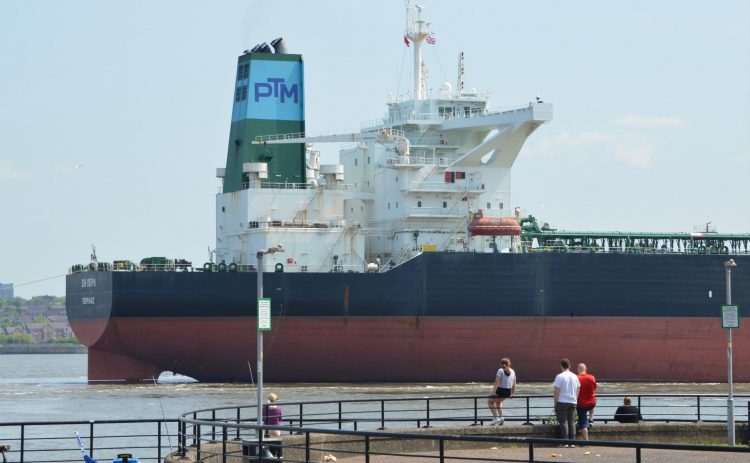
(730, 318)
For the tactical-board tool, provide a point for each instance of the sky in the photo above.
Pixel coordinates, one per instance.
(114, 115)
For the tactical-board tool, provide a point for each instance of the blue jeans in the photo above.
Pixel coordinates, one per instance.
(566, 417)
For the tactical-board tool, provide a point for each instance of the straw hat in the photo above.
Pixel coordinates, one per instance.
(272, 397)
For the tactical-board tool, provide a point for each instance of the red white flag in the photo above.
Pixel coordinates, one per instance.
(406, 41)
(431, 40)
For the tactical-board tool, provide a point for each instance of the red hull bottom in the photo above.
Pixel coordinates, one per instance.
(413, 349)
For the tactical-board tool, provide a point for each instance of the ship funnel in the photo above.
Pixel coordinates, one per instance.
(279, 45)
(263, 48)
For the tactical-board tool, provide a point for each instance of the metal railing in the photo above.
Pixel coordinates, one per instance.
(216, 434)
(54, 441)
(472, 410)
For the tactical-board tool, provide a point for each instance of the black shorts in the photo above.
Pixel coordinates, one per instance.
(503, 392)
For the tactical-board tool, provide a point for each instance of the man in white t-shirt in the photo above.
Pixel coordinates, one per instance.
(566, 396)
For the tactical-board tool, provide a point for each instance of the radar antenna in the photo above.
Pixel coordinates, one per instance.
(460, 83)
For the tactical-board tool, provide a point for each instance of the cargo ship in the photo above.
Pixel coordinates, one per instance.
(404, 262)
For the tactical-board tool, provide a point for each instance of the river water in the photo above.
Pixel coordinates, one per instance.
(53, 387)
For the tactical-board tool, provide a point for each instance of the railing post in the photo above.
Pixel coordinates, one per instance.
(183, 437)
(367, 449)
(307, 447)
(23, 434)
(699, 407)
(91, 438)
(382, 414)
(158, 440)
(639, 406)
(637, 455)
(197, 428)
(259, 433)
(476, 412)
(442, 451)
(528, 411)
(213, 428)
(238, 423)
(339, 414)
(300, 415)
(223, 444)
(428, 414)
(531, 452)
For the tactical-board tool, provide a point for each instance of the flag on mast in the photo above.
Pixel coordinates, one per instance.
(406, 41)
(431, 40)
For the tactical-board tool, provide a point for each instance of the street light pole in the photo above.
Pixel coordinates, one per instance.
(259, 351)
(729, 265)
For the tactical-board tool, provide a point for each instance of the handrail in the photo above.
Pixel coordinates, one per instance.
(307, 427)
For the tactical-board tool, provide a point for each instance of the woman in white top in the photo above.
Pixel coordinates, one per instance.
(503, 388)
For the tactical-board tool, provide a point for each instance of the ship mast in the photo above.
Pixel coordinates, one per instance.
(416, 32)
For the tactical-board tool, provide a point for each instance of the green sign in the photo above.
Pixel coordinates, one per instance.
(264, 314)
(730, 316)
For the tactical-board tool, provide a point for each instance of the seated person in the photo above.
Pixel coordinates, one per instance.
(627, 413)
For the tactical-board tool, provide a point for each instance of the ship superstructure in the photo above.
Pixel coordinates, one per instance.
(409, 182)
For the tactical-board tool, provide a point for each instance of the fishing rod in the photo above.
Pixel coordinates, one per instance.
(163, 416)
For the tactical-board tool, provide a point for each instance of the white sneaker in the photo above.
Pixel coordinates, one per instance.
(501, 421)
(494, 421)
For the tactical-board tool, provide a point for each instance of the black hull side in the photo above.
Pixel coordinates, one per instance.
(434, 284)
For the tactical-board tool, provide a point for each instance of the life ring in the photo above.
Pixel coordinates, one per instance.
(725, 250)
(701, 249)
(713, 250)
(222, 267)
(279, 267)
(208, 267)
(232, 267)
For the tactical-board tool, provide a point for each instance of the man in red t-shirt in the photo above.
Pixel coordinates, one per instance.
(586, 400)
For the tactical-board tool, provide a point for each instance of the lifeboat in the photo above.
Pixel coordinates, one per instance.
(493, 226)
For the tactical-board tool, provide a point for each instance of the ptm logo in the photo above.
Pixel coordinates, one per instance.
(276, 88)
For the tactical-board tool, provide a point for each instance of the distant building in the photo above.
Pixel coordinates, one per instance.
(6, 290)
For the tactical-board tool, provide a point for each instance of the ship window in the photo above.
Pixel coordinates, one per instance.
(355, 161)
(303, 268)
(223, 209)
(396, 179)
(352, 209)
(361, 208)
(445, 204)
(238, 94)
(368, 159)
(244, 93)
(419, 203)
(389, 205)
(489, 205)
(500, 205)
(396, 204)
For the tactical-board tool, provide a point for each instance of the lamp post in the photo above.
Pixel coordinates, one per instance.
(259, 399)
(728, 266)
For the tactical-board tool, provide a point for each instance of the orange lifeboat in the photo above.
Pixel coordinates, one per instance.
(493, 226)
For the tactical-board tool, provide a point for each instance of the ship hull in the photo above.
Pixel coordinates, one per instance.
(439, 317)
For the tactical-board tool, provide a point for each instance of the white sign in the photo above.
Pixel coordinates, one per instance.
(264, 314)
(730, 316)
